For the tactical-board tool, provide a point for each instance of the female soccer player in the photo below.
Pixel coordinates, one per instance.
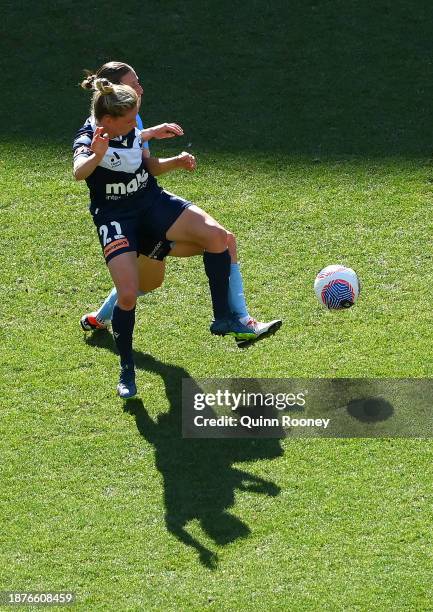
(151, 264)
(129, 209)
(151, 268)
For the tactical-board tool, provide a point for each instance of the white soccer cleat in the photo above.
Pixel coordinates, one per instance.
(261, 330)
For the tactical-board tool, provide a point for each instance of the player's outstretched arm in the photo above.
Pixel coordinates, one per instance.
(164, 130)
(160, 165)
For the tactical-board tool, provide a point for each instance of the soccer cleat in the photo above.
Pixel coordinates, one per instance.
(264, 328)
(232, 327)
(260, 330)
(89, 322)
(126, 387)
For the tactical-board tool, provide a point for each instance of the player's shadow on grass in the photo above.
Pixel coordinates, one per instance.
(199, 477)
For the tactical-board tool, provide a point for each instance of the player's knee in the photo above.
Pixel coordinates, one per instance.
(127, 302)
(232, 246)
(127, 297)
(217, 240)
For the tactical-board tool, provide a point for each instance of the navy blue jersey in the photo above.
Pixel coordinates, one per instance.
(121, 180)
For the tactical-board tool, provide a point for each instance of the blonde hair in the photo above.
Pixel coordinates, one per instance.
(111, 99)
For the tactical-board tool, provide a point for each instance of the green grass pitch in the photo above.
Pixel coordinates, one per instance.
(312, 127)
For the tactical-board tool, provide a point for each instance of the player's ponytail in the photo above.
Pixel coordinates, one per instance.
(101, 84)
(104, 86)
(88, 81)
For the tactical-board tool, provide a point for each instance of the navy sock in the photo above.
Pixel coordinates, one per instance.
(123, 326)
(217, 266)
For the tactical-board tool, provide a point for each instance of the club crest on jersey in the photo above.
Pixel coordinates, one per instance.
(120, 189)
(115, 160)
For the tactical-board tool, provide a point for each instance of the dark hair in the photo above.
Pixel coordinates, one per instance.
(113, 71)
(112, 99)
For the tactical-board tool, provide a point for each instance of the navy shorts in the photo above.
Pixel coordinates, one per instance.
(142, 231)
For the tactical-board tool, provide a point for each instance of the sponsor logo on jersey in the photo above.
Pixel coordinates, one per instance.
(139, 181)
(115, 246)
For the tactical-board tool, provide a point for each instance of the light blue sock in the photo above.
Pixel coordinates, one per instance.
(236, 293)
(105, 313)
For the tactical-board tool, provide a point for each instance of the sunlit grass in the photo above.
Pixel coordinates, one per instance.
(87, 486)
(311, 123)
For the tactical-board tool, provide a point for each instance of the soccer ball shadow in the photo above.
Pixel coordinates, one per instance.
(370, 409)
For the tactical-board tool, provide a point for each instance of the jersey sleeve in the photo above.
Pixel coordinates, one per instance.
(83, 141)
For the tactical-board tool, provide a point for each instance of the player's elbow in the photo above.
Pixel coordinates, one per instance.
(78, 174)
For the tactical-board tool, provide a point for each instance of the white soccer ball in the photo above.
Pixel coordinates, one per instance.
(337, 287)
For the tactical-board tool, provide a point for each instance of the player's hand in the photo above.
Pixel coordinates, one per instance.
(100, 142)
(186, 161)
(164, 130)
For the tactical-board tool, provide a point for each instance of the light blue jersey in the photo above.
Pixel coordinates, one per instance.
(145, 144)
